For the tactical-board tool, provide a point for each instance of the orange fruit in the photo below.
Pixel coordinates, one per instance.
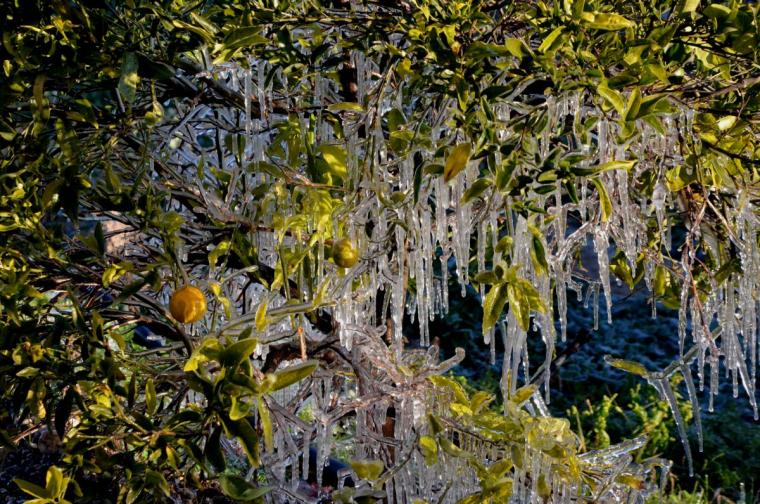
(188, 304)
(344, 254)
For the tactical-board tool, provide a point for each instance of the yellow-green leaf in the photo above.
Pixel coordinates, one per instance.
(261, 317)
(240, 489)
(615, 165)
(523, 394)
(493, 305)
(457, 161)
(369, 470)
(549, 40)
(627, 365)
(613, 97)
(606, 21)
(150, 397)
(604, 199)
(293, 374)
(429, 449)
(519, 304)
(266, 425)
(633, 105)
(335, 157)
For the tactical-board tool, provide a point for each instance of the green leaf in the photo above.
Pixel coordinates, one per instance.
(486, 277)
(205, 35)
(613, 97)
(261, 316)
(519, 304)
(266, 425)
(155, 479)
(209, 349)
(476, 189)
(32, 489)
(292, 374)
(335, 157)
(516, 47)
(716, 11)
(244, 37)
(212, 451)
(222, 248)
(346, 106)
(606, 21)
(150, 397)
(236, 353)
(523, 394)
(429, 450)
(459, 393)
(238, 488)
(549, 40)
(634, 103)
(452, 449)
(457, 161)
(613, 165)
(688, 6)
(129, 79)
(620, 268)
(493, 305)
(537, 252)
(242, 430)
(661, 279)
(604, 199)
(55, 482)
(369, 470)
(627, 365)
(239, 409)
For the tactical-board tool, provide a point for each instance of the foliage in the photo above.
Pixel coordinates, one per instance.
(236, 145)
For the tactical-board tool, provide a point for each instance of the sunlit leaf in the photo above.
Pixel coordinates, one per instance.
(457, 161)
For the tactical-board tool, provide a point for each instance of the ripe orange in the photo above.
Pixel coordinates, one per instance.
(344, 254)
(188, 304)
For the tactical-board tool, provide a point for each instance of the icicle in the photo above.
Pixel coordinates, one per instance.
(662, 384)
(682, 314)
(714, 368)
(561, 290)
(696, 413)
(305, 454)
(595, 291)
(601, 242)
(397, 312)
(247, 92)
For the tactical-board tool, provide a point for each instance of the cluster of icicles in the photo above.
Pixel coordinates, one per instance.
(387, 386)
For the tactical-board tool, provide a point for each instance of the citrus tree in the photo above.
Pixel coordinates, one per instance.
(226, 225)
